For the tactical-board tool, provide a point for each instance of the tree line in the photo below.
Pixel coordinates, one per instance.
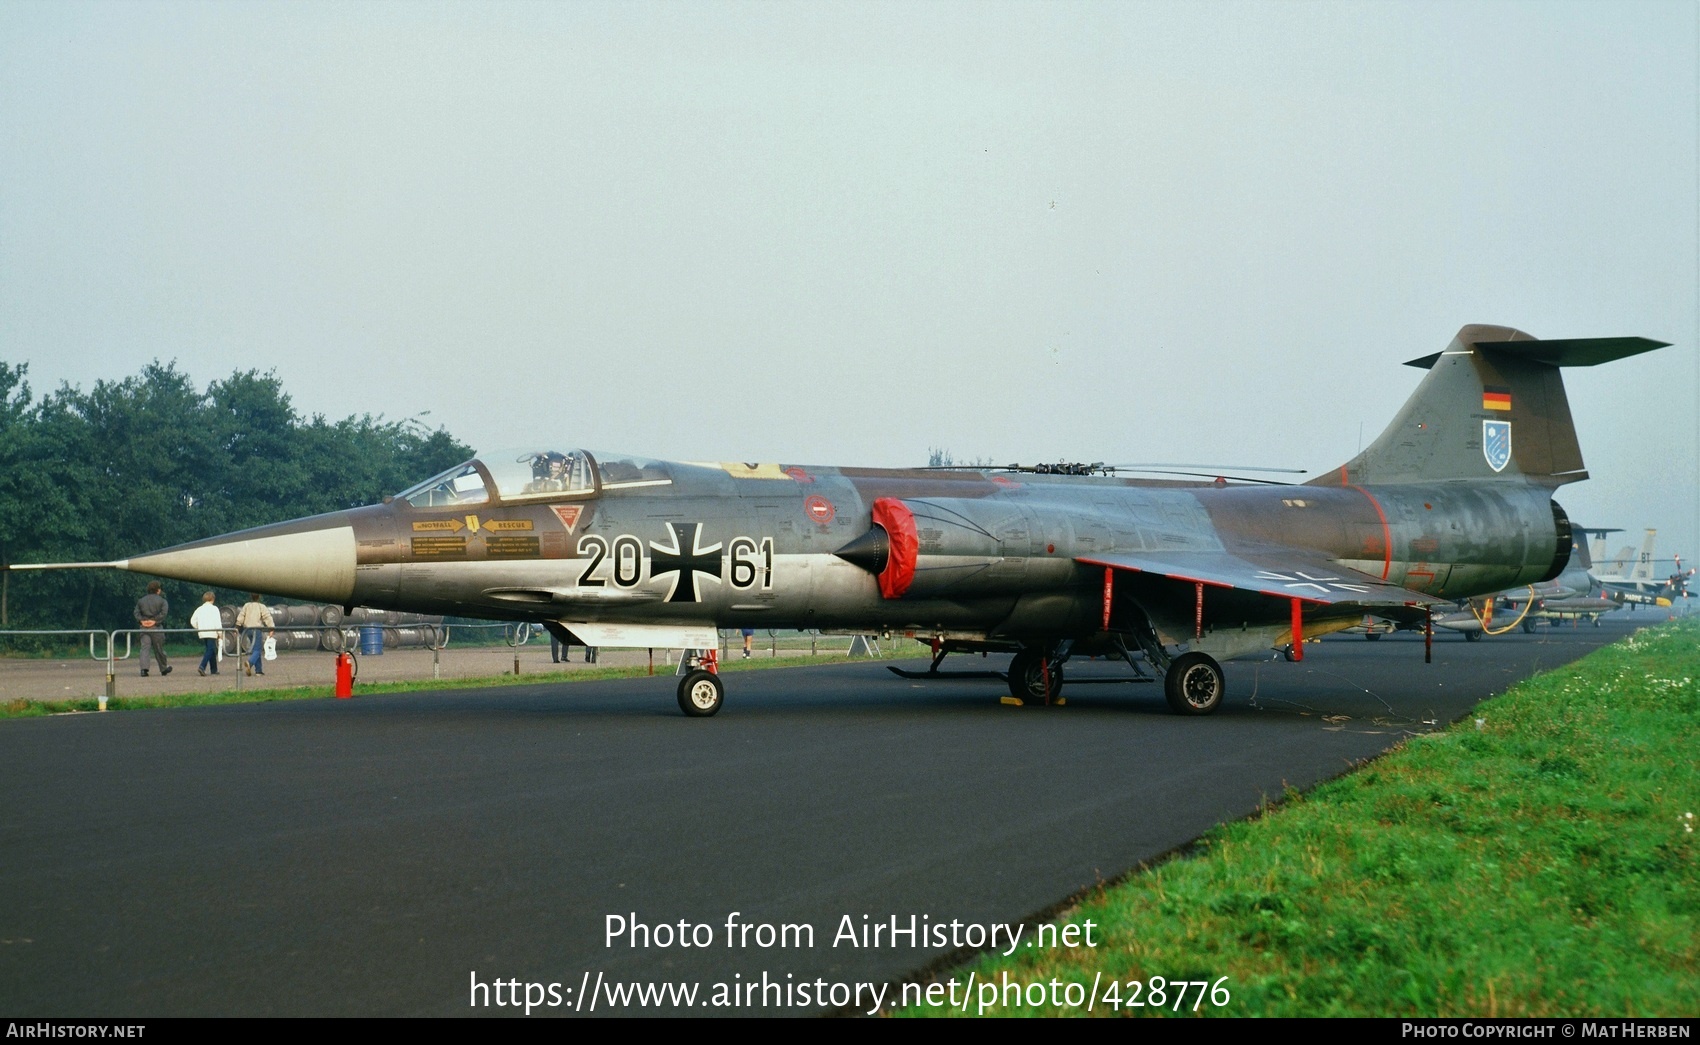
(150, 461)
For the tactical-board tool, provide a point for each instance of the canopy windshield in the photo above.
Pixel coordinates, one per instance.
(523, 474)
(462, 484)
(526, 473)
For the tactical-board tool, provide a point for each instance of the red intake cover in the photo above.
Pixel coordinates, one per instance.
(899, 524)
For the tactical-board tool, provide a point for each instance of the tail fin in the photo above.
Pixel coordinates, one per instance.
(1492, 405)
(1643, 569)
(1624, 562)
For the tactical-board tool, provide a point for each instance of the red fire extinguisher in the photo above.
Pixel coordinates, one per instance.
(344, 674)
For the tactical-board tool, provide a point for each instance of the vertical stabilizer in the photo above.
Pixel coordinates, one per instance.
(1642, 573)
(1492, 405)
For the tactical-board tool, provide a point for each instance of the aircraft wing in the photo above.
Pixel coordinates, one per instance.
(1281, 573)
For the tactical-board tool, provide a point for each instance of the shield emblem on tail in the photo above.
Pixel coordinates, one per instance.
(1496, 444)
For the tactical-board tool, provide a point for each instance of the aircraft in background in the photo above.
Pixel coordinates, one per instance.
(1574, 595)
(1628, 567)
(1637, 580)
(1664, 593)
(1604, 565)
(1453, 500)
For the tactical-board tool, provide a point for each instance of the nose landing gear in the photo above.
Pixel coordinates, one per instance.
(701, 692)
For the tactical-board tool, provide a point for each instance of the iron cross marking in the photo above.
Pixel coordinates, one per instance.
(685, 559)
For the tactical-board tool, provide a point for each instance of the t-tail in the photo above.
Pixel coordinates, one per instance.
(1491, 406)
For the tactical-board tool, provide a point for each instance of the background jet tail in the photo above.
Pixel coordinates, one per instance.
(1492, 405)
(1579, 554)
(1642, 571)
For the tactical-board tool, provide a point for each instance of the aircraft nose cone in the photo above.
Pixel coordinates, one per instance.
(310, 559)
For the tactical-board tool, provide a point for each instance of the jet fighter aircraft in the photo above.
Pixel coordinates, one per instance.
(1454, 499)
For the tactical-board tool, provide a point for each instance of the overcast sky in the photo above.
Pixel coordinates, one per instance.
(846, 233)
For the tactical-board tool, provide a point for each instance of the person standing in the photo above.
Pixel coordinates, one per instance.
(150, 614)
(209, 626)
(255, 619)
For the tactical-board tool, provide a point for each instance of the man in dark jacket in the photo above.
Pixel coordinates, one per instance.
(150, 614)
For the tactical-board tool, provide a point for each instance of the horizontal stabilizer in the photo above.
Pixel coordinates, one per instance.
(1576, 351)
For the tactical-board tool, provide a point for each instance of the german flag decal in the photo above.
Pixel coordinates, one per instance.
(1496, 397)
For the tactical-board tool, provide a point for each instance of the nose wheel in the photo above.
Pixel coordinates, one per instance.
(701, 694)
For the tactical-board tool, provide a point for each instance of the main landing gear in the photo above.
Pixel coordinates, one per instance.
(1035, 675)
(1193, 683)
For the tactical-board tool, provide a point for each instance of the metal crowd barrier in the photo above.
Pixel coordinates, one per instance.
(111, 656)
(104, 646)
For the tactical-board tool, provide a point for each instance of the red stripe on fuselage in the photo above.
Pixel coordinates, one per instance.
(1386, 532)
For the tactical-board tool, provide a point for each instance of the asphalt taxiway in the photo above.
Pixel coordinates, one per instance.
(372, 856)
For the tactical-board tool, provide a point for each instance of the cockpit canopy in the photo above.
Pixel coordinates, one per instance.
(526, 474)
(533, 473)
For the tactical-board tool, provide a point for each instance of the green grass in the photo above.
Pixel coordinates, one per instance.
(1541, 864)
(25, 708)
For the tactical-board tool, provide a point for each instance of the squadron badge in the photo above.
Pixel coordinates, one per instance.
(1496, 444)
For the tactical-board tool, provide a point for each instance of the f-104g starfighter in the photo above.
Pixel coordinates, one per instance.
(1454, 499)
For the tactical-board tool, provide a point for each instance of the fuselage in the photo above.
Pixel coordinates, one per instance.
(608, 538)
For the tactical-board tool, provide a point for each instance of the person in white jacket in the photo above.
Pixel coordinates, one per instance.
(255, 616)
(209, 625)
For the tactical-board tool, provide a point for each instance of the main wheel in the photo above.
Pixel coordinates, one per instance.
(1194, 684)
(1028, 673)
(1372, 635)
(701, 693)
(1528, 627)
(1472, 636)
